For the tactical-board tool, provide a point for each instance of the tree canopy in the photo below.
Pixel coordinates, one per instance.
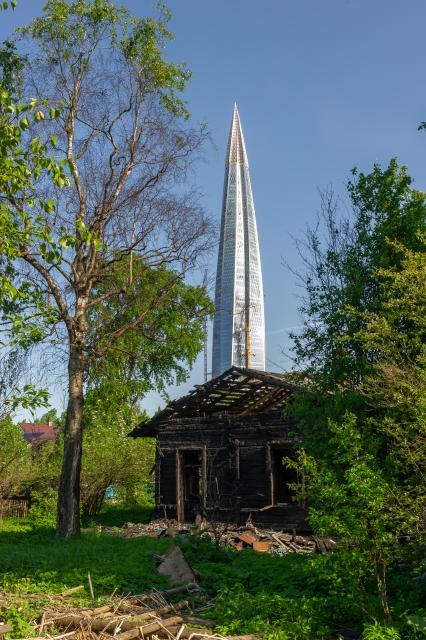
(363, 427)
(94, 187)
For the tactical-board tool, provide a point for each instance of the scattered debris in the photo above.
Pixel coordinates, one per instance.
(147, 616)
(175, 567)
(261, 545)
(259, 539)
(5, 628)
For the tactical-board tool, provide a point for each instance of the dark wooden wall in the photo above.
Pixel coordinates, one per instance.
(236, 466)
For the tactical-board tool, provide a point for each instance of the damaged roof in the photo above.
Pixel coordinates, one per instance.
(236, 392)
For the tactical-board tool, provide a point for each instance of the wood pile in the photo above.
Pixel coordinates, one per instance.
(148, 616)
(277, 542)
(259, 539)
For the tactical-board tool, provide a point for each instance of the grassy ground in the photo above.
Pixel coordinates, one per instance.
(295, 597)
(115, 515)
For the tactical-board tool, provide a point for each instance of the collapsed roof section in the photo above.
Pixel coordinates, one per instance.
(237, 392)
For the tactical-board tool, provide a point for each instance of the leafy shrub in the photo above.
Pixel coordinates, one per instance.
(280, 616)
(18, 618)
(379, 631)
(43, 508)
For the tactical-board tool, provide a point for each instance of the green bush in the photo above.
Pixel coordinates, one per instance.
(43, 508)
(379, 631)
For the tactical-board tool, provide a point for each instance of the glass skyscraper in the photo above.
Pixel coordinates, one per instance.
(239, 321)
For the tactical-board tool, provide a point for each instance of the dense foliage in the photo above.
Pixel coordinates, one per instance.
(296, 597)
(363, 342)
(15, 461)
(111, 459)
(344, 257)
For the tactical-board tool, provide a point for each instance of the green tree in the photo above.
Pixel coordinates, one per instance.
(167, 317)
(342, 256)
(15, 458)
(120, 130)
(396, 389)
(11, 68)
(168, 335)
(6, 5)
(110, 457)
(19, 164)
(363, 421)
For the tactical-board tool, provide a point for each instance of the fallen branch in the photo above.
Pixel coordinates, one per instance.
(149, 629)
(203, 622)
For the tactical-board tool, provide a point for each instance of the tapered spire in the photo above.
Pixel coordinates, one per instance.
(239, 326)
(236, 147)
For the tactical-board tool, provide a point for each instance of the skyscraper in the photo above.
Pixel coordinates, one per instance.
(239, 323)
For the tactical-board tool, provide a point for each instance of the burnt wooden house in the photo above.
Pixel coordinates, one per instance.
(222, 449)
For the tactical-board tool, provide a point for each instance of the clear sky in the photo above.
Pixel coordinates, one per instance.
(321, 86)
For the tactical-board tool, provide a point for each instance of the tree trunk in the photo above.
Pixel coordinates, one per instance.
(381, 584)
(68, 518)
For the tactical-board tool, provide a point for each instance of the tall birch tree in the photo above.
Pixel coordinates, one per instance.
(109, 103)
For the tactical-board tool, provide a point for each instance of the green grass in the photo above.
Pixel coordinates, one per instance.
(115, 515)
(296, 597)
(34, 560)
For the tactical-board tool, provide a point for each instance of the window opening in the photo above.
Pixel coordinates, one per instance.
(192, 485)
(282, 477)
(190, 499)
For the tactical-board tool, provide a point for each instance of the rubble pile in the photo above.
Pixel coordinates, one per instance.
(148, 616)
(258, 539)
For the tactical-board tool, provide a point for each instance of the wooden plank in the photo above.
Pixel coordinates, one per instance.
(148, 629)
(5, 628)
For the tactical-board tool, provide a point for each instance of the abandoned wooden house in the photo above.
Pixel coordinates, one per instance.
(222, 449)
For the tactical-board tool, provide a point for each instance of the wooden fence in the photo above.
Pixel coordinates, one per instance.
(13, 508)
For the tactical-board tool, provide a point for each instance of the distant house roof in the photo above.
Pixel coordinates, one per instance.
(37, 433)
(236, 392)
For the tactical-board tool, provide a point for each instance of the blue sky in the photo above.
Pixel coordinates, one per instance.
(321, 86)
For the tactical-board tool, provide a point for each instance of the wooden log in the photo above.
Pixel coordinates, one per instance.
(202, 622)
(185, 633)
(182, 604)
(97, 611)
(156, 613)
(247, 537)
(69, 592)
(282, 544)
(75, 621)
(149, 629)
(54, 596)
(130, 607)
(5, 628)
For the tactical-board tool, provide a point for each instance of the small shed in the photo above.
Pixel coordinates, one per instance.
(222, 450)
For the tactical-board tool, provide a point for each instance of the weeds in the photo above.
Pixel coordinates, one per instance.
(296, 597)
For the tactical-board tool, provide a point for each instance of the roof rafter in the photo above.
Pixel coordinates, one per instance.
(237, 392)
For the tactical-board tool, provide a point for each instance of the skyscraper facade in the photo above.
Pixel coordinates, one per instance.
(239, 321)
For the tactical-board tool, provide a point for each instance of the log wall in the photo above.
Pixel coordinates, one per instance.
(235, 468)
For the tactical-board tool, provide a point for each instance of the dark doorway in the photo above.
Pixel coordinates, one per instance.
(191, 494)
(282, 477)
